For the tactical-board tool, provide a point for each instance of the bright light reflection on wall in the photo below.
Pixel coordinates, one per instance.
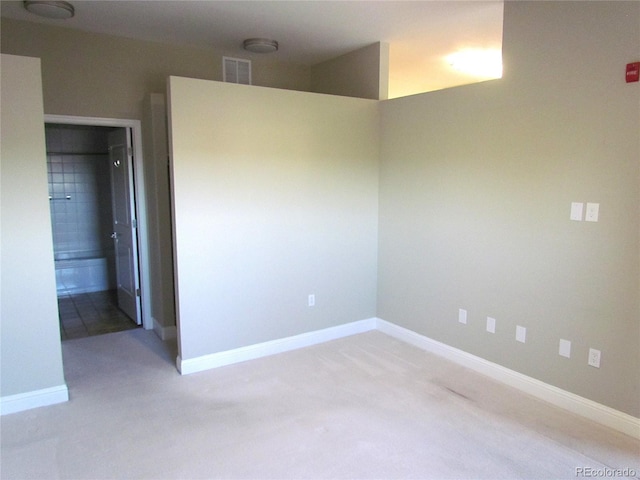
(477, 62)
(421, 63)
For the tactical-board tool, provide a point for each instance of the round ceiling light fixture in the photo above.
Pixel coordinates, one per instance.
(50, 9)
(260, 45)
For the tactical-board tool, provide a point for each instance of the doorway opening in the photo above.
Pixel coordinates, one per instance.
(96, 192)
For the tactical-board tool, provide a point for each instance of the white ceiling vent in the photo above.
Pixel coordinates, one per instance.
(236, 70)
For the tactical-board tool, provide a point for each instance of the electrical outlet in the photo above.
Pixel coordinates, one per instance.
(312, 300)
(594, 358)
(521, 334)
(462, 316)
(491, 325)
(591, 214)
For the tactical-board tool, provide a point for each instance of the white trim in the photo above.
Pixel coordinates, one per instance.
(164, 332)
(597, 412)
(571, 402)
(141, 202)
(37, 398)
(272, 347)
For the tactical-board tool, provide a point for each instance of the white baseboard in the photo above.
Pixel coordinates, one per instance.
(576, 404)
(597, 412)
(38, 398)
(164, 332)
(273, 347)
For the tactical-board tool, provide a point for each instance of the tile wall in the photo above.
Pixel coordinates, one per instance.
(79, 191)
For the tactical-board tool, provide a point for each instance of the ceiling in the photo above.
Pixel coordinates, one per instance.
(420, 33)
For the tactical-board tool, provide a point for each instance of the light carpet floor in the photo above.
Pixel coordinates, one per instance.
(363, 407)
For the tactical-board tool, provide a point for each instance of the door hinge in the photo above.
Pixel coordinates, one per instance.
(137, 292)
(134, 223)
(129, 151)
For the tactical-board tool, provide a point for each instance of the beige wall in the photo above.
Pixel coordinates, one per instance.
(97, 75)
(476, 185)
(363, 73)
(31, 357)
(475, 188)
(275, 198)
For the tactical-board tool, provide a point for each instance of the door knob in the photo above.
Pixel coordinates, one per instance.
(114, 235)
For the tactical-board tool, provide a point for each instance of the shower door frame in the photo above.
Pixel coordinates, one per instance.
(140, 196)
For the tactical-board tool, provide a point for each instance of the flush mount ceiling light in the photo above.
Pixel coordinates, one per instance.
(50, 9)
(260, 45)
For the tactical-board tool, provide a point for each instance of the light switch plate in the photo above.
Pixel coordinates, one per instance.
(462, 316)
(592, 212)
(521, 334)
(565, 348)
(576, 211)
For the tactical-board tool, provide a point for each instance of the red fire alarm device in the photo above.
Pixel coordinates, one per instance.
(633, 72)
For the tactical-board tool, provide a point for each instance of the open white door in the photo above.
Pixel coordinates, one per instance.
(124, 223)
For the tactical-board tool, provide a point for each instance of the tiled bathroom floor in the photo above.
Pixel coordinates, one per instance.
(87, 314)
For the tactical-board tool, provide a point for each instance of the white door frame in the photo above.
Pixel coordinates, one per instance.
(140, 195)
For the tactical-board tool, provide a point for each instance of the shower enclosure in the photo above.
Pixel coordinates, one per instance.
(81, 212)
